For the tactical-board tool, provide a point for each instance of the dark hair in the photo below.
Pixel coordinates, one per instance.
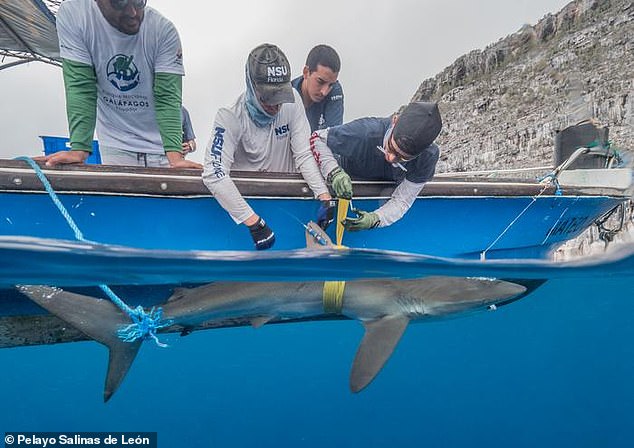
(323, 55)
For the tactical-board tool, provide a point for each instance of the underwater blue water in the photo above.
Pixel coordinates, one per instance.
(553, 369)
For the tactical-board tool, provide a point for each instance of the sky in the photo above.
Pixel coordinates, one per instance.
(387, 48)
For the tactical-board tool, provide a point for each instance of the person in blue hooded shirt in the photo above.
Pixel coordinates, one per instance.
(399, 148)
(319, 88)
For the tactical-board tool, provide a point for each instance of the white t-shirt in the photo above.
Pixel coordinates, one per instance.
(237, 143)
(125, 66)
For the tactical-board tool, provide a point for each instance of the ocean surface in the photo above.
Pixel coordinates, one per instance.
(554, 369)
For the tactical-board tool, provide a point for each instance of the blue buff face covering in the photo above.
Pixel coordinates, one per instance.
(257, 114)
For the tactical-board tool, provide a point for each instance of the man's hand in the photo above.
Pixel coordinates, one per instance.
(177, 160)
(326, 213)
(341, 183)
(63, 158)
(363, 221)
(189, 146)
(262, 235)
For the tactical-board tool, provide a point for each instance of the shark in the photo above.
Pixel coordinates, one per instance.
(385, 307)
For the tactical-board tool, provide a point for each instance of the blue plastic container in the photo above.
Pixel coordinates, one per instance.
(54, 144)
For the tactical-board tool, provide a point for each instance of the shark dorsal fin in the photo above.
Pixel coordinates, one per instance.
(98, 319)
(316, 237)
(377, 345)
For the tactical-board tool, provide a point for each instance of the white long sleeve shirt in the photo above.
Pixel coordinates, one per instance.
(237, 143)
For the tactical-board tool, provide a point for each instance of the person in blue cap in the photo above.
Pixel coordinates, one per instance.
(399, 148)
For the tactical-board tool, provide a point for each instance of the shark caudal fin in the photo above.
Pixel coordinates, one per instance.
(98, 319)
(377, 345)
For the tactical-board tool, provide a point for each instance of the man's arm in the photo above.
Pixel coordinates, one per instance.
(218, 161)
(406, 192)
(330, 169)
(219, 157)
(304, 161)
(188, 128)
(189, 138)
(322, 153)
(168, 89)
(80, 84)
(402, 199)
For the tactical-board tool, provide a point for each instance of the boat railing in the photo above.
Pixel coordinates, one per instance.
(522, 173)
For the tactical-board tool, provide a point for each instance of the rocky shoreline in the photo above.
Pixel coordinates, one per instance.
(503, 105)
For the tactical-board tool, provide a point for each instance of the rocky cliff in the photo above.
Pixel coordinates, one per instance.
(503, 105)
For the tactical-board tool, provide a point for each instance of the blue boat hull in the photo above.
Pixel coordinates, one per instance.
(157, 209)
(449, 227)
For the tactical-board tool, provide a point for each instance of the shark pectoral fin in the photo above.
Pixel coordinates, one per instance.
(121, 358)
(377, 345)
(98, 319)
(257, 322)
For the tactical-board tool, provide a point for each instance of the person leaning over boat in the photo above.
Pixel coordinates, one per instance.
(264, 130)
(321, 92)
(399, 148)
(123, 67)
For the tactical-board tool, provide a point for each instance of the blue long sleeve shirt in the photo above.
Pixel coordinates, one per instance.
(326, 113)
(355, 146)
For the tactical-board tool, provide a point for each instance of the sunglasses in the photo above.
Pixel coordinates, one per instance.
(120, 5)
(400, 155)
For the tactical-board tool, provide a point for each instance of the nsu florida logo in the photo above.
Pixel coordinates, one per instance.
(277, 74)
(282, 131)
(216, 151)
(122, 72)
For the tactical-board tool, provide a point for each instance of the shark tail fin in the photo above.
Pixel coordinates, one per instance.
(379, 341)
(98, 319)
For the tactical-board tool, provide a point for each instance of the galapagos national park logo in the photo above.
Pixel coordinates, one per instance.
(122, 72)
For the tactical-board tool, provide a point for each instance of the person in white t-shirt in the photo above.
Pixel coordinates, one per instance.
(123, 67)
(265, 130)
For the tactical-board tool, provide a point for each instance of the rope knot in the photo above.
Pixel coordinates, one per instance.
(144, 325)
(552, 178)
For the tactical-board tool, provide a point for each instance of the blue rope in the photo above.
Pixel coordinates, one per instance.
(144, 325)
(49, 189)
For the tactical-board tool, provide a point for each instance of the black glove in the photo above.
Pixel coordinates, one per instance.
(326, 213)
(262, 235)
